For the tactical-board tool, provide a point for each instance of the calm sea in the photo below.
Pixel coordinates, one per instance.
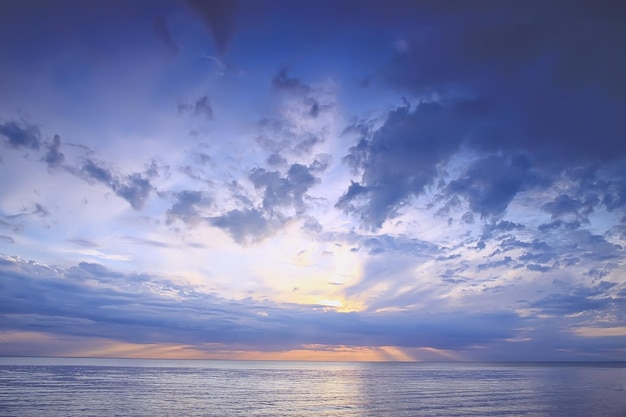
(131, 387)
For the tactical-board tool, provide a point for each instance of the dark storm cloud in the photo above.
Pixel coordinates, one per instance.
(134, 188)
(548, 76)
(491, 183)
(347, 201)
(401, 159)
(21, 135)
(162, 32)
(219, 15)
(534, 88)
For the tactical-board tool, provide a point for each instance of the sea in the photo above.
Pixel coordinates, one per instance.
(64, 387)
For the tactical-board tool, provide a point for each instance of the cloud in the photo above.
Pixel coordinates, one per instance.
(275, 160)
(285, 191)
(38, 210)
(21, 135)
(162, 32)
(187, 207)
(572, 247)
(95, 172)
(245, 226)
(7, 239)
(540, 89)
(491, 183)
(495, 228)
(617, 232)
(83, 243)
(401, 244)
(202, 107)
(304, 120)
(282, 81)
(538, 268)
(146, 242)
(92, 300)
(401, 159)
(16, 222)
(219, 15)
(578, 300)
(557, 224)
(563, 204)
(54, 158)
(527, 101)
(506, 261)
(134, 188)
(489, 198)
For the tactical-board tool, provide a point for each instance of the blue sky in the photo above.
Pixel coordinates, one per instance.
(333, 180)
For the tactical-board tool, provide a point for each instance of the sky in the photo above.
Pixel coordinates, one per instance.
(328, 180)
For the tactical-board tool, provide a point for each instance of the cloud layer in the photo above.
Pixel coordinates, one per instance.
(226, 175)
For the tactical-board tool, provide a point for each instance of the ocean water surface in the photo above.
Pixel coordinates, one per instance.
(140, 387)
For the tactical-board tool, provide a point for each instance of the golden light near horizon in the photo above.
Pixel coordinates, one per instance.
(315, 274)
(76, 346)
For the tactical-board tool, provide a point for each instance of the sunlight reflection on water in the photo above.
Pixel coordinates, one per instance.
(96, 387)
